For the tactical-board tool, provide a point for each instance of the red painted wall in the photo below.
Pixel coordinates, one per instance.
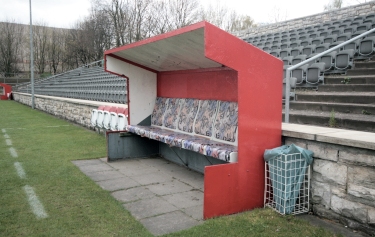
(6, 89)
(204, 84)
(236, 187)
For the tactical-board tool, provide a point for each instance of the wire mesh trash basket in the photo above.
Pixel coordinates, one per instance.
(287, 179)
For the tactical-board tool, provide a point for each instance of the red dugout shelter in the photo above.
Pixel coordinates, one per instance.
(204, 62)
(5, 91)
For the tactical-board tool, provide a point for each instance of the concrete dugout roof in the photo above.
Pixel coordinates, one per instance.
(182, 49)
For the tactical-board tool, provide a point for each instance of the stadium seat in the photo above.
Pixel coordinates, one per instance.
(337, 32)
(367, 46)
(284, 45)
(299, 58)
(344, 59)
(295, 43)
(350, 29)
(300, 74)
(317, 40)
(296, 51)
(275, 52)
(315, 73)
(328, 60)
(314, 35)
(305, 42)
(309, 49)
(324, 33)
(364, 27)
(330, 39)
(335, 44)
(288, 60)
(322, 47)
(275, 46)
(344, 37)
(285, 52)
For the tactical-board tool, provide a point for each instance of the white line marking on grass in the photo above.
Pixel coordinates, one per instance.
(6, 136)
(13, 152)
(8, 142)
(20, 170)
(3, 130)
(35, 204)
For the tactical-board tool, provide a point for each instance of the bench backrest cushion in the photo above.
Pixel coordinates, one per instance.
(205, 117)
(171, 113)
(158, 112)
(189, 109)
(226, 122)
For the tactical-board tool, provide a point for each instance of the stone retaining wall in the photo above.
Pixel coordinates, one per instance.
(346, 12)
(76, 112)
(342, 183)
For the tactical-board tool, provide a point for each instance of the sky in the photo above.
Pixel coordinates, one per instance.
(64, 13)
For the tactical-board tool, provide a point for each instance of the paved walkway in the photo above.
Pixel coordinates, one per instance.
(163, 196)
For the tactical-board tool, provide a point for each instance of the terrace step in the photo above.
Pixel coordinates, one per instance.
(347, 87)
(360, 71)
(347, 108)
(337, 97)
(357, 122)
(366, 64)
(367, 79)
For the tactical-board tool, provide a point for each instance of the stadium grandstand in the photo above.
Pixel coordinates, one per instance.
(343, 81)
(89, 82)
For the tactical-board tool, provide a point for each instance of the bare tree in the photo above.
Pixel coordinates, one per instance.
(10, 47)
(183, 12)
(55, 49)
(333, 5)
(41, 36)
(276, 14)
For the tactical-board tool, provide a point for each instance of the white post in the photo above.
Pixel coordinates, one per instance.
(31, 59)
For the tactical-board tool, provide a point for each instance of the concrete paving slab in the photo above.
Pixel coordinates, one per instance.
(152, 178)
(105, 175)
(118, 184)
(169, 187)
(135, 171)
(133, 194)
(104, 159)
(169, 223)
(81, 163)
(127, 163)
(185, 199)
(149, 207)
(195, 212)
(95, 168)
(155, 162)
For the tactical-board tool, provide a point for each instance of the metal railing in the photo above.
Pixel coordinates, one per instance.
(289, 69)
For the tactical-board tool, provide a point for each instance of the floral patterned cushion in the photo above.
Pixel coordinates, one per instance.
(158, 112)
(171, 114)
(219, 150)
(226, 121)
(205, 117)
(189, 109)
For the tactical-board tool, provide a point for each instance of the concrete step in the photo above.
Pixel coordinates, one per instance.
(364, 64)
(365, 109)
(366, 79)
(360, 71)
(337, 97)
(346, 121)
(347, 87)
